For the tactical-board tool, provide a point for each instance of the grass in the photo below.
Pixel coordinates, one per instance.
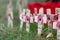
(17, 34)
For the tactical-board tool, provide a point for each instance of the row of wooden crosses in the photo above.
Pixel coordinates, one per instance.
(40, 18)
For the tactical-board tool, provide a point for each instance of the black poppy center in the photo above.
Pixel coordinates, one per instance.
(22, 17)
(35, 14)
(48, 18)
(57, 18)
(27, 19)
(40, 19)
(59, 26)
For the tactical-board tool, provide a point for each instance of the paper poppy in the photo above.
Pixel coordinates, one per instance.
(21, 17)
(27, 19)
(58, 26)
(40, 19)
(48, 18)
(56, 17)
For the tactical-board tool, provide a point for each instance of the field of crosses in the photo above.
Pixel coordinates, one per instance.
(15, 33)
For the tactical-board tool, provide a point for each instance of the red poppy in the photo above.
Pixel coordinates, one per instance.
(58, 4)
(37, 5)
(34, 5)
(53, 6)
(30, 6)
(49, 4)
(46, 6)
